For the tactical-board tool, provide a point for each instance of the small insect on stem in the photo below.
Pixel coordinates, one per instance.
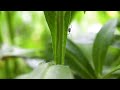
(69, 30)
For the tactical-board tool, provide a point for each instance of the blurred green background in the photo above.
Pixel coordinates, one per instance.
(25, 37)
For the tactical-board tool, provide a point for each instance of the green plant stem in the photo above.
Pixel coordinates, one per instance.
(9, 15)
(58, 22)
(1, 39)
(7, 71)
(10, 26)
(60, 38)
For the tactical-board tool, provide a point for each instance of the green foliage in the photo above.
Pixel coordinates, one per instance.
(76, 59)
(102, 41)
(28, 36)
(103, 47)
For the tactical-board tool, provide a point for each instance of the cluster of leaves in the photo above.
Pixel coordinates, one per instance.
(75, 58)
(18, 43)
(66, 59)
(99, 52)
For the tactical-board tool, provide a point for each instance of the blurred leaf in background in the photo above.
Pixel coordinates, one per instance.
(25, 30)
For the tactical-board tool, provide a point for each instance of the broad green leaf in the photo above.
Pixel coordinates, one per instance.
(87, 51)
(112, 55)
(58, 22)
(77, 61)
(49, 71)
(102, 41)
(116, 61)
(116, 41)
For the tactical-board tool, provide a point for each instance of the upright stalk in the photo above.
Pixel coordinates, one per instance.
(9, 16)
(1, 40)
(60, 38)
(58, 22)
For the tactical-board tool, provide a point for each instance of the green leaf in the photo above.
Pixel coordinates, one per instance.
(118, 26)
(78, 62)
(113, 70)
(73, 13)
(116, 61)
(102, 41)
(113, 53)
(116, 41)
(58, 22)
(48, 71)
